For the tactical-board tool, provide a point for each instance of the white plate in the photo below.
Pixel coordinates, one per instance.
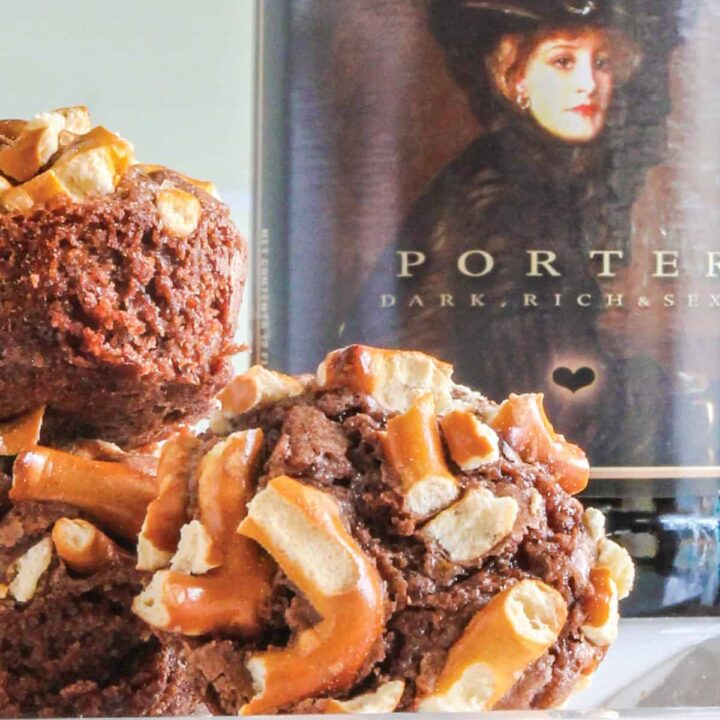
(663, 662)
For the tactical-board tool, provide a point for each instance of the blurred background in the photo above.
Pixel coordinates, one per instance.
(175, 77)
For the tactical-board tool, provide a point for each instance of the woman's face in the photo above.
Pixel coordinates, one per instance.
(569, 84)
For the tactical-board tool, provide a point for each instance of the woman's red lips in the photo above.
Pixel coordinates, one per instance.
(587, 110)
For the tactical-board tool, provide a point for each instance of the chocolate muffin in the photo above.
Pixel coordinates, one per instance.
(120, 284)
(69, 643)
(403, 543)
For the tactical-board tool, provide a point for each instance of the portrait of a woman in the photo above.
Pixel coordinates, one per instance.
(492, 268)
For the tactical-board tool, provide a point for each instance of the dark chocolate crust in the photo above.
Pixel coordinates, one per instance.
(120, 327)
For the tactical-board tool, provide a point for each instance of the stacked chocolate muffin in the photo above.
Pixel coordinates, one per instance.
(369, 538)
(120, 284)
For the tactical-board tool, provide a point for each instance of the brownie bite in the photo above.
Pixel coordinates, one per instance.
(120, 284)
(69, 643)
(378, 538)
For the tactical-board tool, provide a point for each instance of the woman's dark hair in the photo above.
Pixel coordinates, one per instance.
(467, 43)
(475, 52)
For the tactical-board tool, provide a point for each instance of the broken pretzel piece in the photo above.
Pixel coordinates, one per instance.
(521, 421)
(257, 386)
(510, 633)
(28, 570)
(179, 211)
(471, 443)
(93, 165)
(77, 119)
(231, 596)
(383, 700)
(36, 143)
(225, 479)
(10, 130)
(205, 185)
(82, 546)
(39, 191)
(32, 144)
(166, 514)
(302, 528)
(617, 560)
(22, 433)
(110, 492)
(394, 378)
(472, 526)
(601, 627)
(140, 459)
(414, 450)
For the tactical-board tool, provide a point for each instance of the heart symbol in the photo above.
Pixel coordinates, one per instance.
(573, 381)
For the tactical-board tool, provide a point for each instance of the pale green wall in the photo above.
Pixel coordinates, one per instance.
(173, 76)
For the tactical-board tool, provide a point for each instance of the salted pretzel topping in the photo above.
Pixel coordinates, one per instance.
(231, 596)
(471, 527)
(38, 191)
(28, 569)
(302, 528)
(523, 424)
(414, 450)
(59, 155)
(256, 386)
(46, 474)
(395, 378)
(22, 433)
(510, 633)
(10, 130)
(166, 514)
(383, 700)
(82, 546)
(36, 143)
(179, 211)
(206, 185)
(470, 442)
(617, 560)
(601, 627)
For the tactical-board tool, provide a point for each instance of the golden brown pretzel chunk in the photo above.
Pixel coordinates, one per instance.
(522, 422)
(302, 528)
(601, 627)
(113, 493)
(413, 448)
(36, 143)
(384, 700)
(22, 433)
(231, 596)
(395, 378)
(82, 546)
(471, 443)
(38, 191)
(179, 211)
(471, 527)
(28, 569)
(257, 385)
(206, 185)
(166, 514)
(510, 633)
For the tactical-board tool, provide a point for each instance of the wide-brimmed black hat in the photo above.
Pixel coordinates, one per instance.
(485, 20)
(562, 11)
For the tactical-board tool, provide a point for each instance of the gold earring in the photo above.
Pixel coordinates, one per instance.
(523, 101)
